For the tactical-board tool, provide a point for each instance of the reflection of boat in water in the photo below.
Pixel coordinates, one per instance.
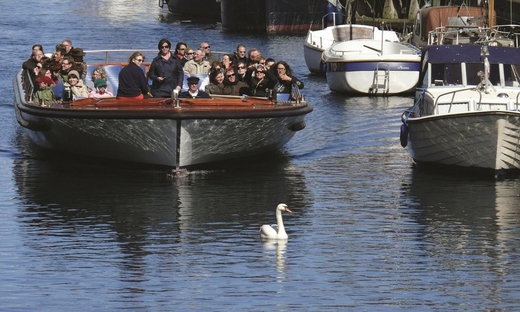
(456, 211)
(133, 205)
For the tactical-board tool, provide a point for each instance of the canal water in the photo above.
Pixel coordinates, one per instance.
(369, 231)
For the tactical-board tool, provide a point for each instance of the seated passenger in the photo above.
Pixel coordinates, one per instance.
(231, 86)
(180, 52)
(33, 65)
(66, 67)
(262, 81)
(198, 65)
(79, 90)
(78, 63)
(216, 77)
(101, 90)
(285, 78)
(57, 89)
(226, 62)
(193, 90)
(44, 96)
(99, 73)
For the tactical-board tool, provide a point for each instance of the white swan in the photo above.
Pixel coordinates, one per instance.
(275, 231)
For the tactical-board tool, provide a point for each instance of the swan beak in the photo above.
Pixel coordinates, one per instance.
(287, 209)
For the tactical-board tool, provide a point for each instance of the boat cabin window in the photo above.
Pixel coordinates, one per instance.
(512, 75)
(446, 74)
(474, 78)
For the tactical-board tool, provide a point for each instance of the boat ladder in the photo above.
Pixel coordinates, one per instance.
(381, 77)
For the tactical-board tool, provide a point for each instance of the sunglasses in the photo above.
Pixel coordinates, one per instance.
(190, 53)
(232, 75)
(206, 47)
(139, 60)
(241, 67)
(165, 47)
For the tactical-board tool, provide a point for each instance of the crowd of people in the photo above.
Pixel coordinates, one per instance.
(243, 72)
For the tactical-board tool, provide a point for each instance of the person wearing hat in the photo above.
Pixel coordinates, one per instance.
(101, 89)
(166, 72)
(75, 84)
(78, 63)
(44, 96)
(193, 89)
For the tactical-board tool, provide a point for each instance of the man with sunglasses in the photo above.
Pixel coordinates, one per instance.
(207, 51)
(231, 85)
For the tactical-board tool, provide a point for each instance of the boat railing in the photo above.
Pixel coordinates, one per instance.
(453, 93)
(334, 16)
(27, 86)
(508, 35)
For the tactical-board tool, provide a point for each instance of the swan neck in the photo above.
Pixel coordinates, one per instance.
(279, 221)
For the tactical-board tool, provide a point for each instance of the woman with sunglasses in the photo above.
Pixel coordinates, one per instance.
(132, 81)
(166, 72)
(180, 52)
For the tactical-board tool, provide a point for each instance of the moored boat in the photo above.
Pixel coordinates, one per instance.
(172, 132)
(317, 41)
(374, 67)
(207, 10)
(466, 111)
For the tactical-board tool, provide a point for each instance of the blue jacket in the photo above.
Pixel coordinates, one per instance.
(172, 72)
(132, 81)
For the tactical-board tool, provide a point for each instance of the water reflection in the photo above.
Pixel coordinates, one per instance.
(278, 248)
(466, 219)
(124, 217)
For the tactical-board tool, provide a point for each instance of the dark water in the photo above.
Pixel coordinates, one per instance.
(368, 230)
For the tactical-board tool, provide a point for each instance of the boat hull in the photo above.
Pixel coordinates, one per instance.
(484, 140)
(317, 41)
(209, 10)
(374, 67)
(178, 134)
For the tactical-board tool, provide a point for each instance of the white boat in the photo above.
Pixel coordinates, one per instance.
(318, 41)
(466, 111)
(177, 133)
(375, 67)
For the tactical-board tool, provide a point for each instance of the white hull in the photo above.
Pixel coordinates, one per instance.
(372, 67)
(485, 140)
(318, 41)
(463, 116)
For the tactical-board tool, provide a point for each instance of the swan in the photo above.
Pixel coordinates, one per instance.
(275, 231)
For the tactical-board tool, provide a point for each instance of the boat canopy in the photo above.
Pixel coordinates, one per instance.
(470, 53)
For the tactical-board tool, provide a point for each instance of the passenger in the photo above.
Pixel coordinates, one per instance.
(189, 55)
(66, 67)
(166, 72)
(193, 89)
(44, 96)
(241, 72)
(215, 66)
(33, 66)
(285, 79)
(198, 65)
(254, 57)
(68, 46)
(180, 52)
(99, 73)
(37, 47)
(231, 86)
(58, 87)
(240, 55)
(132, 81)
(207, 52)
(78, 63)
(101, 90)
(215, 78)
(269, 62)
(263, 80)
(59, 53)
(79, 90)
(226, 61)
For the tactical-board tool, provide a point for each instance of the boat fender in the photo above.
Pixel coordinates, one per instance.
(297, 126)
(404, 135)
